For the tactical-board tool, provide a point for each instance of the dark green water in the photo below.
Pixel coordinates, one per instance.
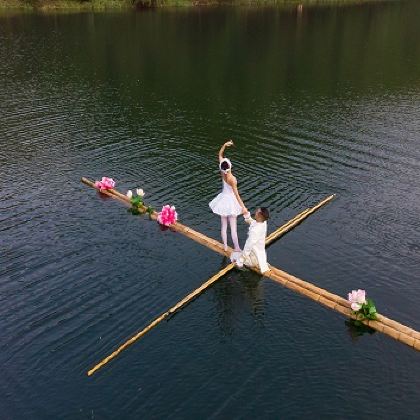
(322, 102)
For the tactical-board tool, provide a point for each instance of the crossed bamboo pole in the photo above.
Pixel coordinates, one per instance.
(160, 318)
(383, 324)
(183, 229)
(206, 241)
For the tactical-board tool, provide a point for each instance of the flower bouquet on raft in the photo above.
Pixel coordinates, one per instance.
(361, 307)
(137, 203)
(105, 184)
(166, 217)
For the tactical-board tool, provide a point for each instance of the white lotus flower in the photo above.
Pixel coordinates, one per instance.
(140, 192)
(129, 194)
(357, 299)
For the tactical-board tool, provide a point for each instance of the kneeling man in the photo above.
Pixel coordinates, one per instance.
(253, 254)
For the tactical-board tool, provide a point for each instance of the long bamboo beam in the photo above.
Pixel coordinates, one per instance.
(212, 243)
(382, 324)
(385, 325)
(394, 329)
(206, 241)
(160, 318)
(295, 221)
(178, 227)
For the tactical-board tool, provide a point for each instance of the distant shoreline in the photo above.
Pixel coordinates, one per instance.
(109, 5)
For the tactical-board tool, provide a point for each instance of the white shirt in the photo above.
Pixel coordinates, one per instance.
(254, 249)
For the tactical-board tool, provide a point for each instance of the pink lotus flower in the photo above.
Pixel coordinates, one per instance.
(105, 183)
(168, 216)
(357, 298)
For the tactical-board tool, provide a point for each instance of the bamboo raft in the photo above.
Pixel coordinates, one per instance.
(382, 324)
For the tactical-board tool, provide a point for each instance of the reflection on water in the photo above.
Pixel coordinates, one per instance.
(319, 101)
(357, 329)
(242, 291)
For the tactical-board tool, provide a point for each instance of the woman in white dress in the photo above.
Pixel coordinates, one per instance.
(228, 204)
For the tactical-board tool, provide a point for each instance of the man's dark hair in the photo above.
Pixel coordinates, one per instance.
(265, 213)
(224, 165)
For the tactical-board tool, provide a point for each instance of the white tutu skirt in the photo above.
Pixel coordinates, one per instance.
(225, 204)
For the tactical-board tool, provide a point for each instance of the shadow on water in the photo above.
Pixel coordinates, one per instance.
(230, 290)
(356, 329)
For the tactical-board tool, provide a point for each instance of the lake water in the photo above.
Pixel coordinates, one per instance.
(321, 101)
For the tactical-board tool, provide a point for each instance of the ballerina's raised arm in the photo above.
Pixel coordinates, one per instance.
(229, 143)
